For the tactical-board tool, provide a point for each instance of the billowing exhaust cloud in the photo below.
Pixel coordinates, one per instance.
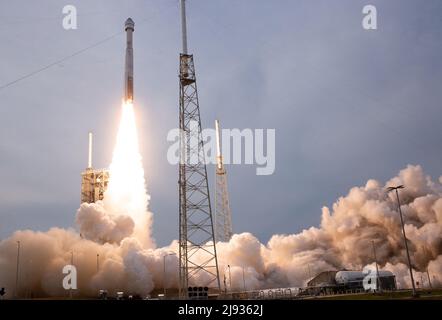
(113, 248)
(125, 267)
(344, 238)
(96, 224)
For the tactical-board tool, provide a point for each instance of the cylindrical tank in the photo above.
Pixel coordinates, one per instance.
(343, 277)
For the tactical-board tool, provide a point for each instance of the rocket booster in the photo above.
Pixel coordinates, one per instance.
(129, 65)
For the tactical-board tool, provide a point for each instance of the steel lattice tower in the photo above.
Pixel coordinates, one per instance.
(223, 215)
(198, 264)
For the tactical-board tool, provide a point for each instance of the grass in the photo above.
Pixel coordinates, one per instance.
(435, 294)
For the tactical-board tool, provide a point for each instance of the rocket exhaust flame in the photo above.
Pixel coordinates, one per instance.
(126, 193)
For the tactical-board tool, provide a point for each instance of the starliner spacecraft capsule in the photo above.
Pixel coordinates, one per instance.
(129, 66)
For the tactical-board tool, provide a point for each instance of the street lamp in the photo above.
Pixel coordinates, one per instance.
(164, 272)
(389, 189)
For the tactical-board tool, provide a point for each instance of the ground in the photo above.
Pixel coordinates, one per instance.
(435, 294)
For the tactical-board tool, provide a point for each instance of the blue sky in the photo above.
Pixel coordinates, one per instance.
(347, 104)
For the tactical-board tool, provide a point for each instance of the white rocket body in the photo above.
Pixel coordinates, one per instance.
(129, 65)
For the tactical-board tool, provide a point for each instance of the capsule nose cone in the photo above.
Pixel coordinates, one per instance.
(129, 24)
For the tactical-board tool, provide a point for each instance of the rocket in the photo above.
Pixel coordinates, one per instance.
(129, 65)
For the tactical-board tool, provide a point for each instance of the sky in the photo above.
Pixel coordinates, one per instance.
(347, 104)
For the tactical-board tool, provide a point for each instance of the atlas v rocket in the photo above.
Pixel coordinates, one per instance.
(129, 66)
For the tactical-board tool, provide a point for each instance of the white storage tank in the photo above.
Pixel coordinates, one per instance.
(344, 277)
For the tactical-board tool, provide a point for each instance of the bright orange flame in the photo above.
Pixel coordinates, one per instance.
(126, 193)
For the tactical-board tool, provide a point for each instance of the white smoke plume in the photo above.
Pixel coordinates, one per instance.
(129, 263)
(344, 238)
(97, 225)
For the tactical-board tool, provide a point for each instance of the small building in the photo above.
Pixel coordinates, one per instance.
(323, 283)
(323, 278)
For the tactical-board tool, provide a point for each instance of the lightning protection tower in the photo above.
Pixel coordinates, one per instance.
(223, 215)
(198, 264)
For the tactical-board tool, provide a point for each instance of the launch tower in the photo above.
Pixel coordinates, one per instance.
(223, 215)
(198, 264)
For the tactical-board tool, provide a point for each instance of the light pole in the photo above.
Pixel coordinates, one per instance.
(17, 269)
(429, 281)
(72, 263)
(164, 272)
(230, 278)
(405, 237)
(29, 289)
(243, 279)
(378, 282)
